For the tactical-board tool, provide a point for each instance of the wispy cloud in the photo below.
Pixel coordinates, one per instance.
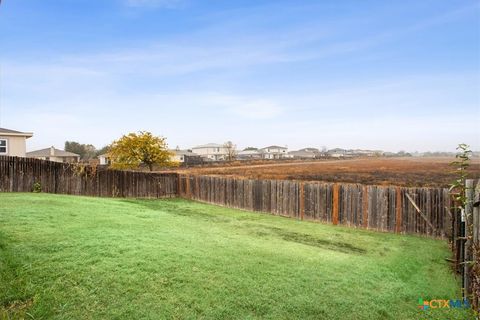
(303, 80)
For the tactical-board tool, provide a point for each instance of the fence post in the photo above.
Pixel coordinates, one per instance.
(398, 210)
(365, 206)
(187, 186)
(476, 243)
(468, 256)
(302, 200)
(335, 204)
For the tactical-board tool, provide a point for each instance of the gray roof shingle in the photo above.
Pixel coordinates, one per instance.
(47, 153)
(9, 131)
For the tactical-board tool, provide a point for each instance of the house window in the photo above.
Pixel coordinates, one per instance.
(3, 146)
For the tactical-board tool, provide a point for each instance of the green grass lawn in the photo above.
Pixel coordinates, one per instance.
(66, 257)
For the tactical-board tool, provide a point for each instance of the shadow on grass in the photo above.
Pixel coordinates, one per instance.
(309, 240)
(259, 230)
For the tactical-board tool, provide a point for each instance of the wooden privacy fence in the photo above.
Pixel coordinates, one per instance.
(20, 175)
(385, 208)
(394, 209)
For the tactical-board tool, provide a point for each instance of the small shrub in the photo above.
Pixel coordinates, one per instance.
(37, 187)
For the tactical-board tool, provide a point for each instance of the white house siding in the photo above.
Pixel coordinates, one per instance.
(212, 153)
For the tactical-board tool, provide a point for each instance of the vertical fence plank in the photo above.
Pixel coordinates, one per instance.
(302, 200)
(398, 210)
(335, 204)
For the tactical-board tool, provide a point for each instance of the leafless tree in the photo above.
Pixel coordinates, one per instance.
(231, 150)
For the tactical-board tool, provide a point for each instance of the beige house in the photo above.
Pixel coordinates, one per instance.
(55, 155)
(211, 151)
(275, 152)
(13, 143)
(181, 155)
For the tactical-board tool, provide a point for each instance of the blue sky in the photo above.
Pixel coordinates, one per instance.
(391, 75)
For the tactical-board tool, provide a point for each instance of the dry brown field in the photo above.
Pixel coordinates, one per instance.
(409, 172)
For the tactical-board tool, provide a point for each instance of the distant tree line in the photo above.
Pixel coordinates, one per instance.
(86, 151)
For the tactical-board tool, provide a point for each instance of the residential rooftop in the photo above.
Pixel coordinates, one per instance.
(47, 152)
(209, 145)
(9, 132)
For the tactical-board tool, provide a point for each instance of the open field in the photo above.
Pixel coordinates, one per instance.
(382, 171)
(66, 257)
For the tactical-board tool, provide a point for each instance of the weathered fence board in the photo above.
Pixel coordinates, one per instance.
(20, 175)
(375, 207)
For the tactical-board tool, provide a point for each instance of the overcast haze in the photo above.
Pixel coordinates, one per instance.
(388, 75)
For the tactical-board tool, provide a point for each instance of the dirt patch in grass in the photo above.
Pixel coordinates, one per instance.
(16, 309)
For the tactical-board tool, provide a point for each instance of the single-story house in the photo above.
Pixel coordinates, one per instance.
(303, 154)
(249, 154)
(211, 151)
(337, 153)
(55, 155)
(182, 155)
(13, 143)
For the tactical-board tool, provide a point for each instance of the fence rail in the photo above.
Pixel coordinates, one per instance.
(394, 209)
(385, 208)
(20, 175)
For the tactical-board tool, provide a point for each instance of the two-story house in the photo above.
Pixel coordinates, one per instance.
(13, 143)
(211, 151)
(275, 152)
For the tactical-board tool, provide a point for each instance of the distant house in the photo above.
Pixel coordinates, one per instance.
(55, 155)
(13, 143)
(368, 153)
(337, 153)
(211, 151)
(249, 154)
(303, 154)
(275, 152)
(314, 150)
(104, 160)
(183, 156)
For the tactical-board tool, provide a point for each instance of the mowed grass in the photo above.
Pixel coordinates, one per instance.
(66, 257)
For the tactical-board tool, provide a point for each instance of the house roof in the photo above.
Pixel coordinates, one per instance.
(274, 147)
(302, 153)
(183, 152)
(248, 152)
(9, 132)
(309, 150)
(209, 145)
(47, 153)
